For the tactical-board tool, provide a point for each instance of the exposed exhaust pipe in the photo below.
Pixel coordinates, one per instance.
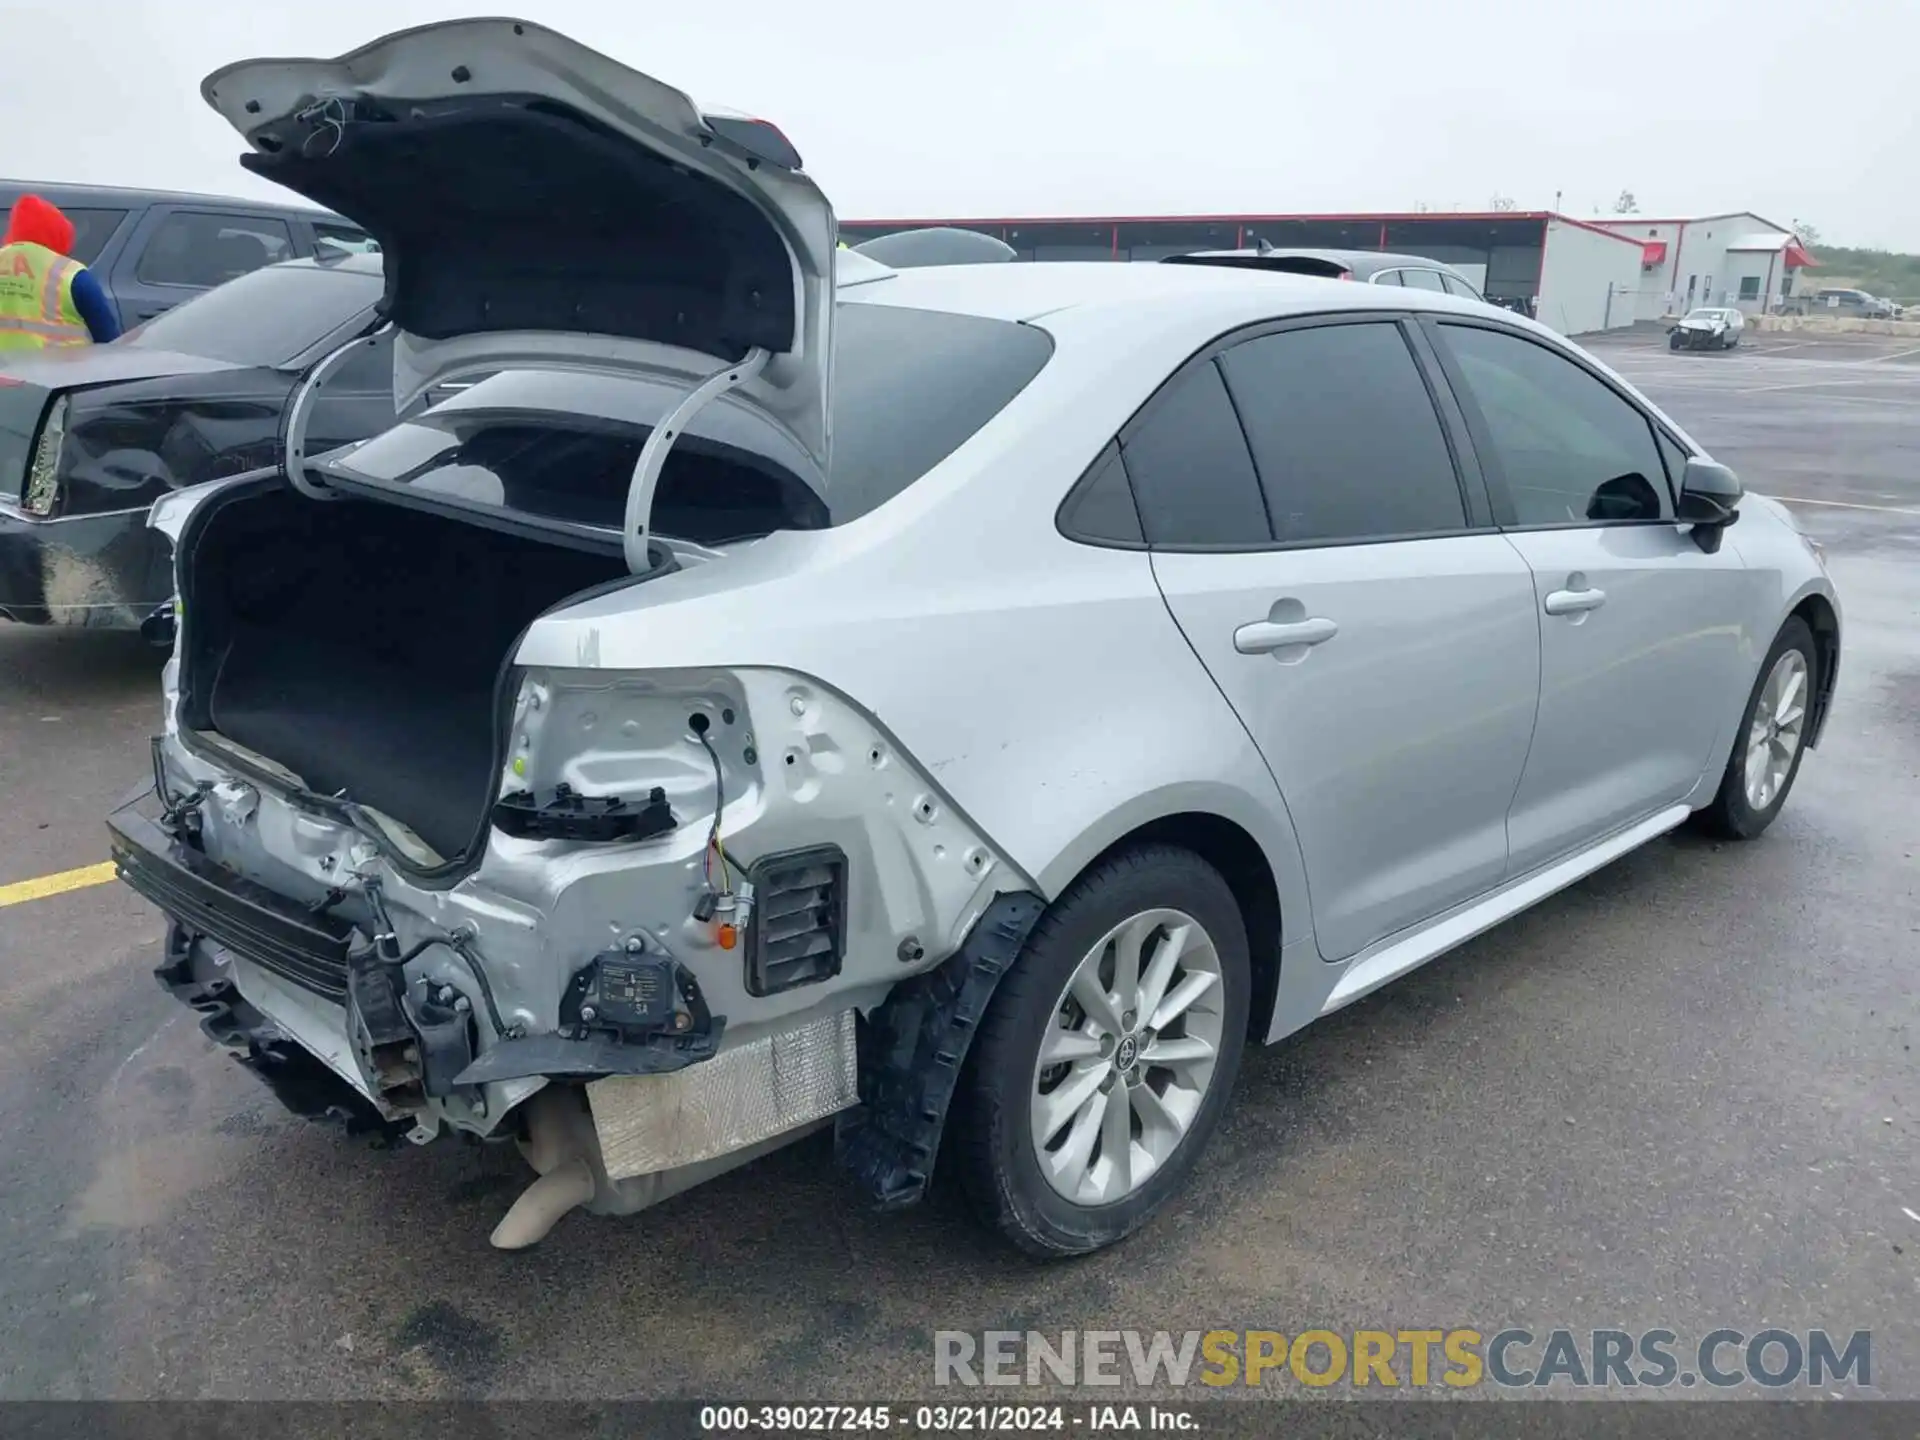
(541, 1205)
(553, 1147)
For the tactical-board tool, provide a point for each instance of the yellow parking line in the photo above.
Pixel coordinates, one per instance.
(65, 880)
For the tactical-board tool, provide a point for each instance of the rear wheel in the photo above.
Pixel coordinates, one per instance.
(1767, 748)
(1104, 1061)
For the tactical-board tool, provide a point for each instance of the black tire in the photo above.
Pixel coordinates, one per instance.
(1673, 341)
(1730, 816)
(993, 1151)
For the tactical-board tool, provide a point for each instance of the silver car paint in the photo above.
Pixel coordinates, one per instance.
(1632, 692)
(1035, 693)
(1399, 741)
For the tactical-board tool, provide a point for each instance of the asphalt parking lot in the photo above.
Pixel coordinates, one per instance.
(1681, 1094)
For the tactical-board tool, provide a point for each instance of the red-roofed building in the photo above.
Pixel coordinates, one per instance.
(1742, 259)
(1575, 275)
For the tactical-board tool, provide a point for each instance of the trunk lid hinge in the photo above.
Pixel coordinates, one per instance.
(636, 531)
(302, 406)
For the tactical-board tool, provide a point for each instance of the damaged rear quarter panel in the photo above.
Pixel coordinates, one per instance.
(799, 767)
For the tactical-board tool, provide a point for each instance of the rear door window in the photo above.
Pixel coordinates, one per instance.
(1457, 286)
(203, 248)
(1345, 437)
(1422, 280)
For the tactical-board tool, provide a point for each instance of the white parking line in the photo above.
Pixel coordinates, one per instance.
(1845, 505)
(1813, 385)
(1897, 355)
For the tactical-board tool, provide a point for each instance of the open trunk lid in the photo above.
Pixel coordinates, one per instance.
(541, 205)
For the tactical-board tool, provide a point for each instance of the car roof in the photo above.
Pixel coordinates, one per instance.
(1027, 291)
(127, 197)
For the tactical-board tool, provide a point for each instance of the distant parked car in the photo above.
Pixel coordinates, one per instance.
(1841, 301)
(152, 249)
(1371, 267)
(1708, 328)
(90, 437)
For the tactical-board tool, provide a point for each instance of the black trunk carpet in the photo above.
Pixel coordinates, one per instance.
(408, 745)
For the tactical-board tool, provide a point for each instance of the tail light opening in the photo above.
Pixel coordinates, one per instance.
(43, 470)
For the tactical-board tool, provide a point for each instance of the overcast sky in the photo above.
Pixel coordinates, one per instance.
(1104, 107)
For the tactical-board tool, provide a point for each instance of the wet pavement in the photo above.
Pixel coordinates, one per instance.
(1681, 1094)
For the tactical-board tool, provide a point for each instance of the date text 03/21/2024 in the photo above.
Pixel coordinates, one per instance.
(942, 1419)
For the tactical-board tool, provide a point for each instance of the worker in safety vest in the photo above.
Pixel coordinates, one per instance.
(46, 297)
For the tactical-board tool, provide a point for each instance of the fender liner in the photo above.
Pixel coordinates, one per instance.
(911, 1049)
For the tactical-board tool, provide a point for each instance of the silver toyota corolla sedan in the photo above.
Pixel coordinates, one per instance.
(958, 705)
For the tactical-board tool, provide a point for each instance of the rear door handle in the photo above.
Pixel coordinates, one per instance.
(1573, 602)
(1263, 637)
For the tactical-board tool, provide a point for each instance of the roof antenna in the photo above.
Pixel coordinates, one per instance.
(1261, 247)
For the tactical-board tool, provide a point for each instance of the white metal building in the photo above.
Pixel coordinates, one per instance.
(1589, 278)
(1574, 275)
(1742, 259)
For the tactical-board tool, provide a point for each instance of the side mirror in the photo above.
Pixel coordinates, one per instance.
(1709, 501)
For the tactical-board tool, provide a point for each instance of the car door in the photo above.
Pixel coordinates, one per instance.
(179, 251)
(1340, 578)
(1640, 633)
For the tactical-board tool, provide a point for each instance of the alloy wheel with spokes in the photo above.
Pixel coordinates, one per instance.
(1129, 1056)
(1773, 734)
(1771, 742)
(1104, 1062)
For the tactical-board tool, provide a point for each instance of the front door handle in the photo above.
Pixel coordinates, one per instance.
(1263, 637)
(1574, 602)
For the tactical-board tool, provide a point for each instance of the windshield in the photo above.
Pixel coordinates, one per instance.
(269, 317)
(910, 386)
(1707, 315)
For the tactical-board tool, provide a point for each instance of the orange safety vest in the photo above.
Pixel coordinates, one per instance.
(36, 299)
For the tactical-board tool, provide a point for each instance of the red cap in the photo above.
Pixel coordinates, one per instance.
(39, 222)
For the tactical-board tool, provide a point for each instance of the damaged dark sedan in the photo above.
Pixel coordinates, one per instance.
(90, 437)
